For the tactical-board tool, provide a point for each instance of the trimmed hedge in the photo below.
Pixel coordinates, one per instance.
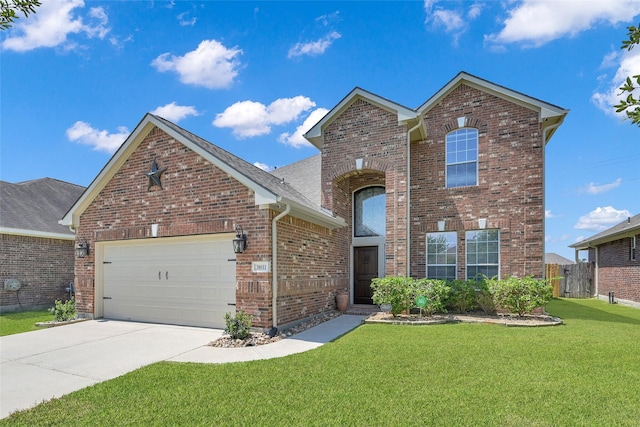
(518, 295)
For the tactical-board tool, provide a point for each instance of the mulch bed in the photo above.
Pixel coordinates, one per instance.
(500, 319)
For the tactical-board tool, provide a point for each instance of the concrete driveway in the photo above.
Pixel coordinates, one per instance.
(40, 365)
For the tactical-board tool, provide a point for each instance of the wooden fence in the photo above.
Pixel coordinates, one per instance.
(571, 280)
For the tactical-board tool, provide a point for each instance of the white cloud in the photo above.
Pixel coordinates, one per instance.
(184, 21)
(628, 65)
(211, 65)
(265, 167)
(601, 218)
(592, 188)
(536, 22)
(174, 112)
(314, 48)
(548, 214)
(100, 140)
(455, 21)
(297, 139)
(250, 118)
(51, 25)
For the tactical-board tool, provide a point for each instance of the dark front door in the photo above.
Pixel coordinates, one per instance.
(365, 268)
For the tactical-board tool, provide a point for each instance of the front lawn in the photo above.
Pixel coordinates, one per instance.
(586, 372)
(24, 321)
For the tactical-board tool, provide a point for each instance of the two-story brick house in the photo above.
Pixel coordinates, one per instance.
(451, 189)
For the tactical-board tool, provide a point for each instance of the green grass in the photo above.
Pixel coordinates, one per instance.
(24, 321)
(583, 373)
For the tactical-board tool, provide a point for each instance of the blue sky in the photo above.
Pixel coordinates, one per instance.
(252, 76)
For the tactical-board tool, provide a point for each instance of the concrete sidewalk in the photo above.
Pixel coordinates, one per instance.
(307, 340)
(41, 365)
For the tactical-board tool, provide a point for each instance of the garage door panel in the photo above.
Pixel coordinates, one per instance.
(170, 281)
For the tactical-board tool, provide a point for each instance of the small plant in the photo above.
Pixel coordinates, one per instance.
(520, 296)
(64, 311)
(238, 326)
(463, 295)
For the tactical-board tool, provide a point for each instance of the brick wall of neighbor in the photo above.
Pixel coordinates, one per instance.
(510, 181)
(617, 272)
(44, 267)
(365, 131)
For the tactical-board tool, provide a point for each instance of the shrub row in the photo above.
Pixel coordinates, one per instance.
(518, 295)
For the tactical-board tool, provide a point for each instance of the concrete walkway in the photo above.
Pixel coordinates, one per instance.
(41, 365)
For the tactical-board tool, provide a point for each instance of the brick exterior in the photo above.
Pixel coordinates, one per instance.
(617, 272)
(365, 131)
(509, 193)
(44, 267)
(199, 198)
(313, 262)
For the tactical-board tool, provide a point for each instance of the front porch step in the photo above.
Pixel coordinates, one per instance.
(362, 309)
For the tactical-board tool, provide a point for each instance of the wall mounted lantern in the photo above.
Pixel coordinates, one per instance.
(82, 249)
(240, 242)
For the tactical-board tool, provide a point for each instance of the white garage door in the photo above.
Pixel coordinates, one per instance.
(170, 280)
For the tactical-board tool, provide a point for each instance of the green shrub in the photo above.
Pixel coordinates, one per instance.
(520, 295)
(397, 291)
(64, 311)
(463, 295)
(238, 326)
(436, 292)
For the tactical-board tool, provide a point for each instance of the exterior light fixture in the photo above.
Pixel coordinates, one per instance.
(82, 249)
(240, 242)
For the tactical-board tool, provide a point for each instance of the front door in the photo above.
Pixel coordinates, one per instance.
(365, 268)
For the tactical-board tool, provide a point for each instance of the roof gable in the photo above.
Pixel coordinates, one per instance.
(550, 115)
(314, 135)
(267, 188)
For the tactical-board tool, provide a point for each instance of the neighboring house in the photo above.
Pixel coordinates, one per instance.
(614, 253)
(451, 189)
(554, 258)
(36, 253)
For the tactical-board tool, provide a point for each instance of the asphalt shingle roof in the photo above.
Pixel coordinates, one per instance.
(37, 205)
(304, 175)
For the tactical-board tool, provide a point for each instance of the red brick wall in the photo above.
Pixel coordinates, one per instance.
(510, 188)
(308, 274)
(617, 272)
(365, 131)
(43, 266)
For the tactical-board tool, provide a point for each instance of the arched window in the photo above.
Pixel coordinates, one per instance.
(369, 212)
(462, 158)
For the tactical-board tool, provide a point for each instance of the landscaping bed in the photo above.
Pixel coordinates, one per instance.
(529, 320)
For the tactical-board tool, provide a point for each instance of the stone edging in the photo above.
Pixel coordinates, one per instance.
(53, 323)
(506, 320)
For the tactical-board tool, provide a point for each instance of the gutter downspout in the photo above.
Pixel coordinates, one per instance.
(544, 191)
(408, 245)
(274, 259)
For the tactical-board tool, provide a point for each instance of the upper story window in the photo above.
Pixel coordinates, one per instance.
(369, 207)
(462, 158)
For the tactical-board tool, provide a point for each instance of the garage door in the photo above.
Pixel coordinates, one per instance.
(170, 280)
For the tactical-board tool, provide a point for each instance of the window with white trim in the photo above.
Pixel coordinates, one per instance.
(634, 243)
(442, 255)
(483, 253)
(462, 158)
